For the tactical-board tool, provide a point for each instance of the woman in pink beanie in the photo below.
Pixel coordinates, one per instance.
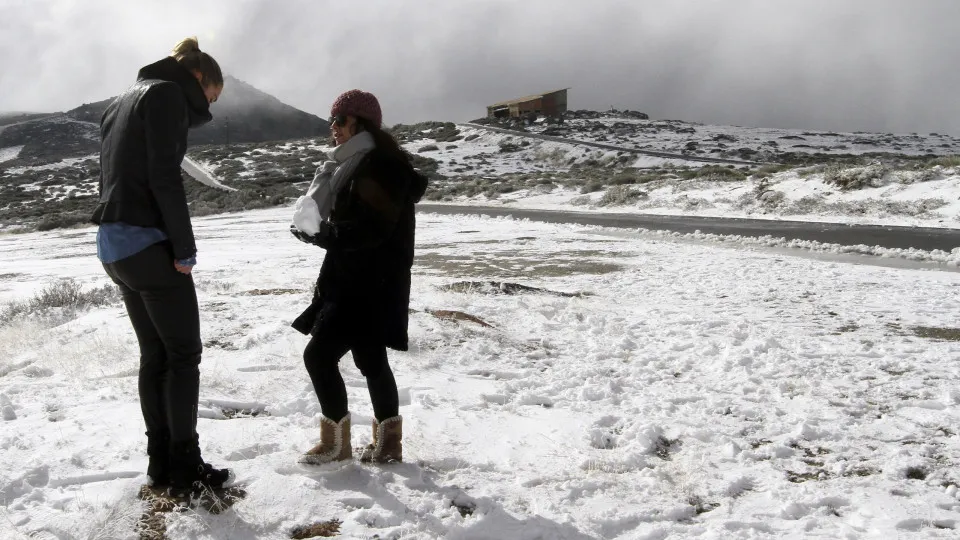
(362, 206)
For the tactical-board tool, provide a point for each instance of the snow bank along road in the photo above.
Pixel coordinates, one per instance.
(923, 238)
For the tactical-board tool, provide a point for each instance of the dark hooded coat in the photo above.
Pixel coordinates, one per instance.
(143, 137)
(363, 290)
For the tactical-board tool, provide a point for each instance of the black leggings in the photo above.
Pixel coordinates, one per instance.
(162, 306)
(322, 357)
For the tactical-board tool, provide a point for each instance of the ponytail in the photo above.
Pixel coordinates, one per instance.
(188, 54)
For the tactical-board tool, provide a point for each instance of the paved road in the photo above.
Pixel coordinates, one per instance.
(604, 146)
(925, 238)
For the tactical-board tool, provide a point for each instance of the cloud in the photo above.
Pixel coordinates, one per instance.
(881, 65)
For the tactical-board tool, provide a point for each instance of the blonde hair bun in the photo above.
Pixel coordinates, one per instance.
(185, 47)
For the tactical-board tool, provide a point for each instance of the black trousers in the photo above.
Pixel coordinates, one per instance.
(322, 358)
(162, 305)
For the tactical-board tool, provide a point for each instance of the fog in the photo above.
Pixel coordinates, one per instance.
(870, 65)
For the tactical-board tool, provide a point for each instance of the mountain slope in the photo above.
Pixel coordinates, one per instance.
(243, 114)
(49, 168)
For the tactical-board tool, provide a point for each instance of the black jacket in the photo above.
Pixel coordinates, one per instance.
(143, 137)
(364, 283)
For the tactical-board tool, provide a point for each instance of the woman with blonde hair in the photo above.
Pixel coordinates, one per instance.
(145, 242)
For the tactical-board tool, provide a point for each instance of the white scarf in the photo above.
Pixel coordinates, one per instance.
(333, 175)
(330, 178)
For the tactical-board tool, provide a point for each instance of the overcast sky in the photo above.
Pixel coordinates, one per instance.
(871, 65)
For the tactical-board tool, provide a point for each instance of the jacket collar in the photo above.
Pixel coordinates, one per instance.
(170, 70)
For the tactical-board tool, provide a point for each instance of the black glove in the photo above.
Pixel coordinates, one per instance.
(321, 239)
(300, 235)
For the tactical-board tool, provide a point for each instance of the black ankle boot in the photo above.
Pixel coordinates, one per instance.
(158, 448)
(188, 472)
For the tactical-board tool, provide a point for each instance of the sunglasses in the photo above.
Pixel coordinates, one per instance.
(338, 120)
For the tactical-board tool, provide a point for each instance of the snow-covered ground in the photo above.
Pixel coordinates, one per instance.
(908, 197)
(695, 391)
(739, 141)
(200, 173)
(71, 177)
(934, 203)
(53, 167)
(10, 152)
(483, 154)
(496, 168)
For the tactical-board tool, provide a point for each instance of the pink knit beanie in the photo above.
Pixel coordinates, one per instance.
(360, 104)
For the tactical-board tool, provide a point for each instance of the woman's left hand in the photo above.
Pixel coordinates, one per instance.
(183, 268)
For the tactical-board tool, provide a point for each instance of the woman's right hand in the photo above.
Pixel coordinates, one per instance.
(300, 235)
(320, 239)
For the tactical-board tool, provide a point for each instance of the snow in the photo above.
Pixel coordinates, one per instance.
(699, 390)
(68, 162)
(9, 153)
(796, 195)
(651, 162)
(673, 136)
(491, 162)
(201, 173)
(483, 153)
(893, 206)
(812, 248)
(914, 195)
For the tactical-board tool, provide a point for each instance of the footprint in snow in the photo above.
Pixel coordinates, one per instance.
(740, 486)
(261, 369)
(252, 452)
(6, 370)
(36, 372)
(7, 411)
(92, 478)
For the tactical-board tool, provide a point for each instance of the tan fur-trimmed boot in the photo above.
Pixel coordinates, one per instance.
(334, 442)
(387, 445)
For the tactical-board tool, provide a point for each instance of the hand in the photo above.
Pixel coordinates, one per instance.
(320, 239)
(301, 236)
(182, 268)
